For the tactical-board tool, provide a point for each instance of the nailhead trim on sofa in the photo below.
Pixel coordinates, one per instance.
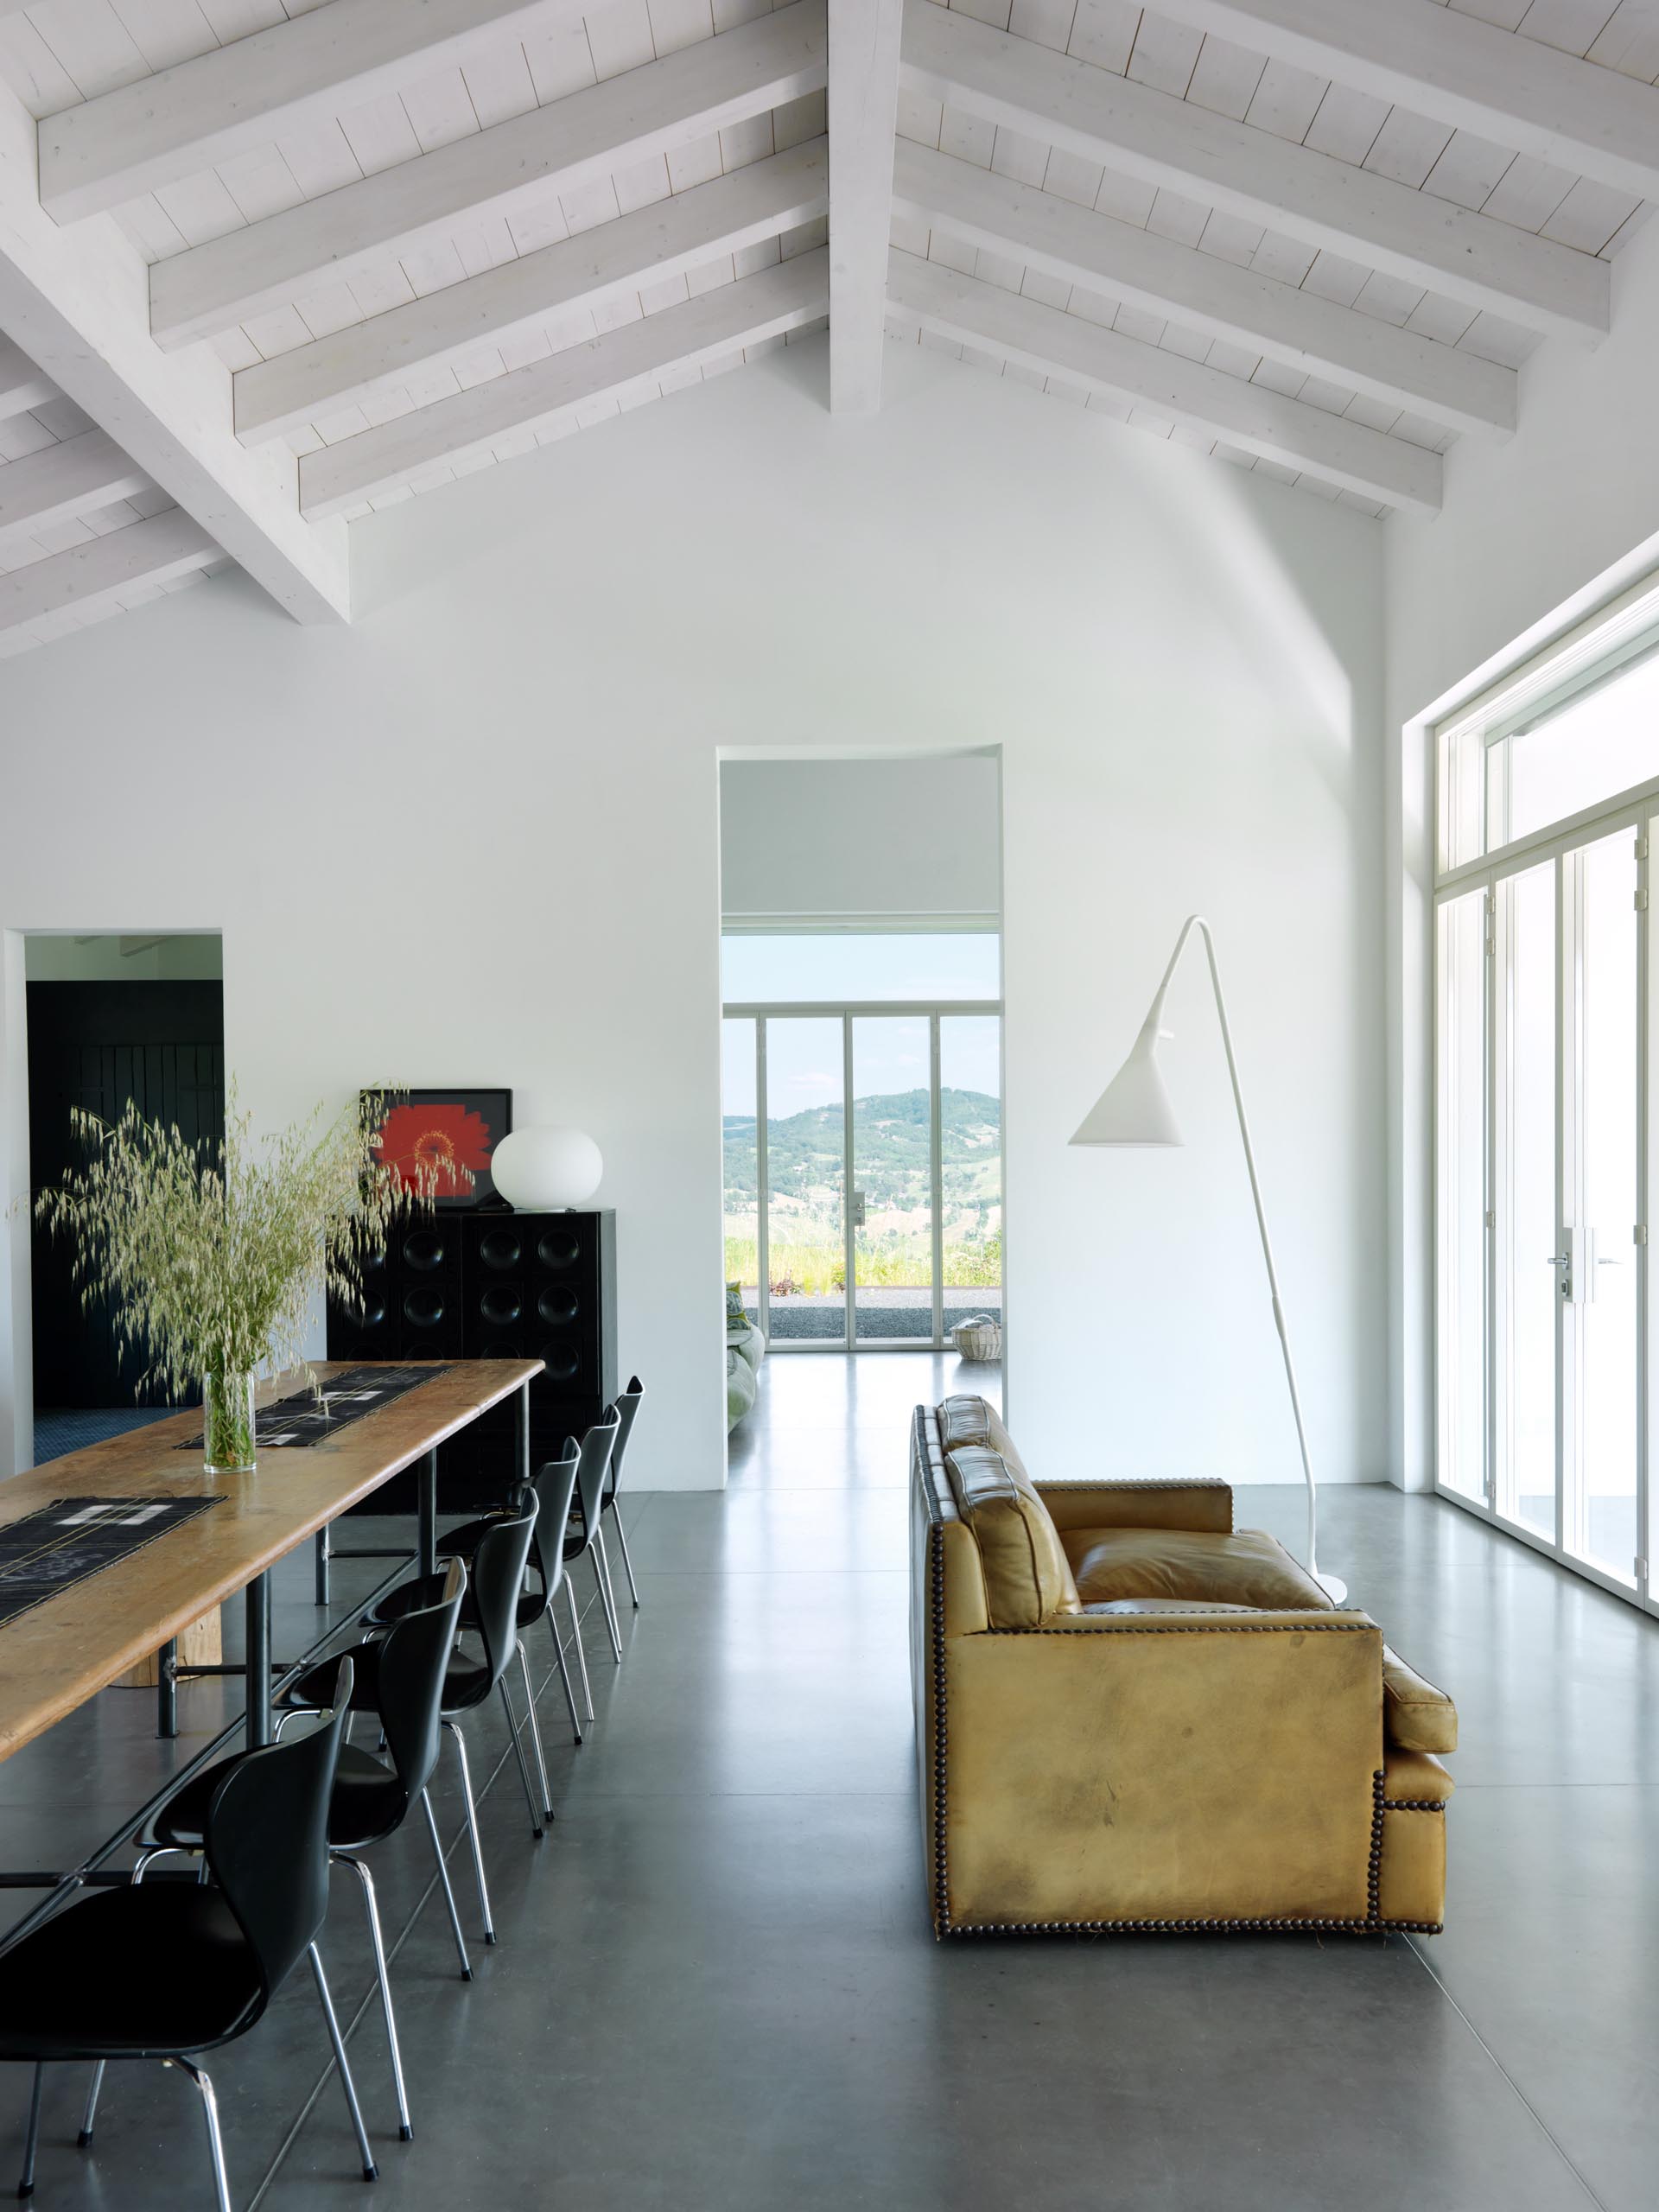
(1372, 1924)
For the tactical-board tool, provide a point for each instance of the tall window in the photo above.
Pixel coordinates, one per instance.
(863, 1124)
(1548, 797)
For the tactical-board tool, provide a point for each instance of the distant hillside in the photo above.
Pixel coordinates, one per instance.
(890, 1149)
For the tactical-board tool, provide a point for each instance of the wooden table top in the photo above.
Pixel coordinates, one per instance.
(55, 1656)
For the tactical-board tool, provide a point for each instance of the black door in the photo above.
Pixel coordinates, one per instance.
(97, 1045)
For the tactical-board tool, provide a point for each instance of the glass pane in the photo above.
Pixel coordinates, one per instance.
(1601, 1522)
(1527, 1281)
(849, 965)
(1605, 742)
(893, 1178)
(806, 1174)
(738, 1110)
(970, 1103)
(1460, 1158)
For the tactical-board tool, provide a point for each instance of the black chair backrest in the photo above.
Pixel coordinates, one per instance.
(414, 1660)
(499, 1580)
(267, 1841)
(592, 1469)
(626, 1406)
(554, 1487)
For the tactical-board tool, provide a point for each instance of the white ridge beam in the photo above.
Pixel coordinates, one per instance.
(56, 485)
(663, 239)
(529, 159)
(262, 87)
(152, 552)
(1132, 129)
(22, 384)
(1203, 292)
(1053, 343)
(1461, 70)
(704, 329)
(863, 116)
(73, 300)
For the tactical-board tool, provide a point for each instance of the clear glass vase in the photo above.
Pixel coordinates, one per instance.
(227, 1421)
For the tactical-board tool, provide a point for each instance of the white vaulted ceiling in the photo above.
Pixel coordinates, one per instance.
(302, 262)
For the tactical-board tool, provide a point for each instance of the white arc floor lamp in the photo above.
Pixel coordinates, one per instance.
(1134, 1109)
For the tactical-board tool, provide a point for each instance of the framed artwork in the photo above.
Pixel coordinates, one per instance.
(445, 1138)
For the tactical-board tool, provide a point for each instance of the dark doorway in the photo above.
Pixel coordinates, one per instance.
(97, 1045)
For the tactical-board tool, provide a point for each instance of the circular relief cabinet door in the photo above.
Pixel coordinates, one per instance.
(500, 1306)
(559, 1248)
(558, 1307)
(501, 1249)
(563, 1362)
(423, 1309)
(423, 1250)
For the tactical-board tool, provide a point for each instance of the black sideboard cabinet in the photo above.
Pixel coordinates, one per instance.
(493, 1285)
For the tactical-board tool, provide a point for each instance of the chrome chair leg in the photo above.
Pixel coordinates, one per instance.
(448, 1894)
(371, 2172)
(215, 2140)
(581, 1656)
(611, 1628)
(91, 2113)
(32, 2139)
(405, 2129)
(627, 1563)
(564, 1676)
(536, 1827)
(535, 1732)
(472, 1830)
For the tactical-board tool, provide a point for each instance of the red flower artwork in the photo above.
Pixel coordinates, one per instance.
(434, 1149)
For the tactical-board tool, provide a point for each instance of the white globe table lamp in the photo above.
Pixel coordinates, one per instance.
(546, 1170)
(1134, 1108)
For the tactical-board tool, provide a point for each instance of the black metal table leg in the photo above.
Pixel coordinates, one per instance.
(258, 1723)
(523, 1414)
(167, 1689)
(426, 1492)
(322, 1566)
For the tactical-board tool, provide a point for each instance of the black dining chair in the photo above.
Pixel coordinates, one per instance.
(370, 1801)
(498, 1580)
(587, 1539)
(167, 1969)
(554, 1486)
(627, 1407)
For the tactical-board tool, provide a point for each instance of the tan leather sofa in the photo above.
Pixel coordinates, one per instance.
(1131, 1716)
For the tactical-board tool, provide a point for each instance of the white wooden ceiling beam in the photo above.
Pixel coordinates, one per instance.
(73, 300)
(863, 115)
(1205, 292)
(75, 477)
(152, 552)
(1053, 343)
(529, 159)
(705, 329)
(1472, 75)
(1135, 130)
(262, 87)
(22, 384)
(367, 359)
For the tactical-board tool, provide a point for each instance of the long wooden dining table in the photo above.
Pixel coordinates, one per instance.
(75, 1642)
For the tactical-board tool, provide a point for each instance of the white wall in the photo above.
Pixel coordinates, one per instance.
(475, 837)
(1533, 534)
(898, 837)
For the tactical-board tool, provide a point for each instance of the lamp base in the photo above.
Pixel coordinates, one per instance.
(1333, 1586)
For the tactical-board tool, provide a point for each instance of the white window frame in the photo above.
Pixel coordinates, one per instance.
(1603, 641)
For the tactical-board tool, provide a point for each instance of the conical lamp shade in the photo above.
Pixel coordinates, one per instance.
(1134, 1108)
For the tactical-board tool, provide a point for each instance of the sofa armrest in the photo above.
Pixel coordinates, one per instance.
(1417, 1716)
(1196, 1767)
(1202, 1506)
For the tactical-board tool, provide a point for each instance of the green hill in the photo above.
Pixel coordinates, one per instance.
(890, 1152)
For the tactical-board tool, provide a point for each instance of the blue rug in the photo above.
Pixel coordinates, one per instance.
(56, 1433)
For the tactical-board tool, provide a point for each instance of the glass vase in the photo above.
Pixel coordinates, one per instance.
(227, 1421)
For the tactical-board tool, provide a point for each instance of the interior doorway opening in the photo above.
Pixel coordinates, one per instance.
(111, 1021)
(863, 1049)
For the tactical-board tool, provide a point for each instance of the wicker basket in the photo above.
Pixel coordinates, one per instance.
(980, 1336)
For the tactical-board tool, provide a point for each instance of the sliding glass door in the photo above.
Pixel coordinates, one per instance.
(864, 1170)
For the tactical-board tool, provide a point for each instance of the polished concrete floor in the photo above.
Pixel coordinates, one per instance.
(715, 1989)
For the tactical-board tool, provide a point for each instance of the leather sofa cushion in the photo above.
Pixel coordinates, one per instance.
(966, 1421)
(1416, 1717)
(1247, 1568)
(1028, 1575)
